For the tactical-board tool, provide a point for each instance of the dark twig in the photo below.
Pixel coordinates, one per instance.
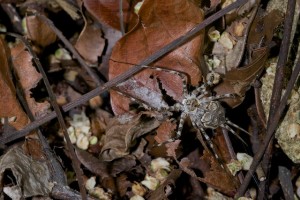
(119, 79)
(121, 17)
(75, 162)
(56, 171)
(70, 47)
(270, 131)
(275, 113)
(14, 17)
(285, 179)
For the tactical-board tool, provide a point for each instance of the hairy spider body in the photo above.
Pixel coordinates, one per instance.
(204, 113)
(204, 110)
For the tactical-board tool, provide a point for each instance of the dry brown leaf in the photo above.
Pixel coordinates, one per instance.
(164, 131)
(10, 106)
(238, 80)
(90, 43)
(32, 177)
(39, 32)
(107, 12)
(238, 33)
(160, 23)
(92, 163)
(172, 147)
(123, 131)
(228, 185)
(28, 77)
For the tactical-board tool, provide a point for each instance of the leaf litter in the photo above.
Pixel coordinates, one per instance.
(123, 145)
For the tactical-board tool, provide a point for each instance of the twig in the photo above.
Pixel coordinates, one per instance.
(132, 71)
(70, 47)
(285, 179)
(75, 162)
(121, 17)
(270, 131)
(14, 17)
(56, 171)
(275, 112)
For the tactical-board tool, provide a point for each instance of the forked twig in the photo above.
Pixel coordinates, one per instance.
(75, 162)
(276, 106)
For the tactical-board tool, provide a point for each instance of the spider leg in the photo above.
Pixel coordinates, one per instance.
(139, 101)
(182, 75)
(179, 130)
(236, 126)
(200, 90)
(217, 97)
(181, 123)
(233, 132)
(201, 133)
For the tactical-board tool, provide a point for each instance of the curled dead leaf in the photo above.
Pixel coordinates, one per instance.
(160, 23)
(28, 77)
(32, 177)
(90, 43)
(108, 12)
(10, 106)
(122, 133)
(38, 31)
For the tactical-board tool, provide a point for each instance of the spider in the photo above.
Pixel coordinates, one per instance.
(204, 111)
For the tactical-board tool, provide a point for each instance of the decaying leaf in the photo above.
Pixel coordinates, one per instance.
(237, 34)
(10, 106)
(122, 133)
(32, 177)
(108, 12)
(90, 43)
(238, 81)
(160, 23)
(164, 131)
(216, 173)
(39, 32)
(28, 77)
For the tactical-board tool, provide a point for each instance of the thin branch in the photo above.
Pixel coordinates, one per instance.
(275, 106)
(132, 71)
(75, 162)
(270, 131)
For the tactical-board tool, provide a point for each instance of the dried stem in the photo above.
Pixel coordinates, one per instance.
(75, 162)
(14, 17)
(132, 71)
(276, 107)
(270, 131)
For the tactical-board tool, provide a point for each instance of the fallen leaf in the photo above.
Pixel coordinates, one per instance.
(28, 77)
(39, 32)
(32, 177)
(160, 23)
(123, 131)
(90, 43)
(10, 106)
(172, 147)
(228, 185)
(164, 131)
(108, 12)
(238, 33)
(92, 163)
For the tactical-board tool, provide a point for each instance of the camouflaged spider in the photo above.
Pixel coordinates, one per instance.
(204, 111)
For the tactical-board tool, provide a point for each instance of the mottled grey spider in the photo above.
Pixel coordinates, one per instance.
(204, 111)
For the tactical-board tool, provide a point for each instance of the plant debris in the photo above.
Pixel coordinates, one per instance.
(128, 75)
